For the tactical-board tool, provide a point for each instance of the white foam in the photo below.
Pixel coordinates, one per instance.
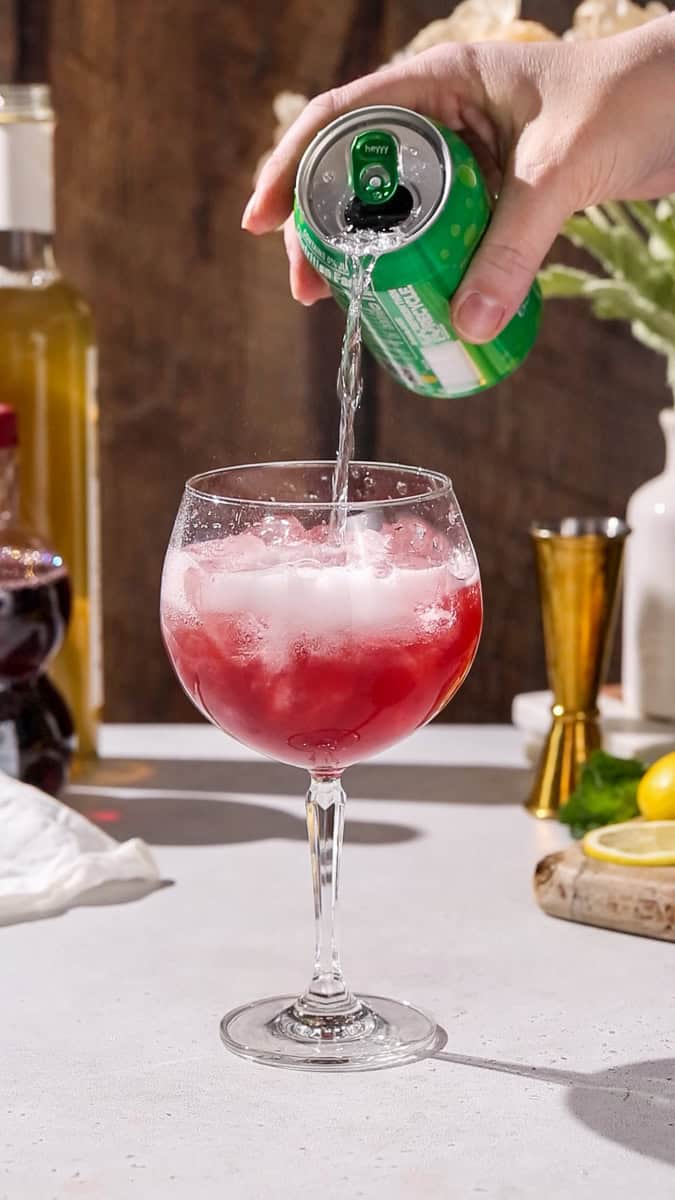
(380, 581)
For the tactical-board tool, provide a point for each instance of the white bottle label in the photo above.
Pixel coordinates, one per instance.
(26, 176)
(94, 535)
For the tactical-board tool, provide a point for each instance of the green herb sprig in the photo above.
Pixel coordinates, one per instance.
(605, 794)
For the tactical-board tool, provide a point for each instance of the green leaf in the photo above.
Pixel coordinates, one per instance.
(559, 282)
(642, 332)
(661, 230)
(660, 286)
(619, 249)
(604, 768)
(598, 216)
(635, 244)
(617, 214)
(614, 299)
(606, 793)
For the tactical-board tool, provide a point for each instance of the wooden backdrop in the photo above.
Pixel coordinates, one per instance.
(164, 109)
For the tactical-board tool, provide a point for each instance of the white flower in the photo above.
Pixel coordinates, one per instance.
(286, 106)
(494, 20)
(602, 18)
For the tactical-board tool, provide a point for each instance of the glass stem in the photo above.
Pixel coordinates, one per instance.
(327, 993)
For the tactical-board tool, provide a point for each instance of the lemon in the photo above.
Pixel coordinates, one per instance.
(633, 843)
(656, 790)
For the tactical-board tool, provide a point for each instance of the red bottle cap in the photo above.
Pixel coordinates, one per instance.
(8, 427)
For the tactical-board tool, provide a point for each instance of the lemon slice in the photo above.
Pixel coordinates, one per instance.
(633, 844)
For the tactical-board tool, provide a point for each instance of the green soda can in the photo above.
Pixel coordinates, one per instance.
(391, 170)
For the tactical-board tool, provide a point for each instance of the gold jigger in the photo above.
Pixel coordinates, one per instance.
(578, 570)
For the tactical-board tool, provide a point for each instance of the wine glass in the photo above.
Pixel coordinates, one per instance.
(321, 642)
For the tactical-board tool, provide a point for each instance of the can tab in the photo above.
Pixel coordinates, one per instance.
(374, 166)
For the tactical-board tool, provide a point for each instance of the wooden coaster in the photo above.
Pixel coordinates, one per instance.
(629, 899)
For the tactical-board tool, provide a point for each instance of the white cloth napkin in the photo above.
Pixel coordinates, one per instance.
(50, 855)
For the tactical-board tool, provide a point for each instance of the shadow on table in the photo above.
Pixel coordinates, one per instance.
(633, 1104)
(196, 803)
(369, 781)
(168, 818)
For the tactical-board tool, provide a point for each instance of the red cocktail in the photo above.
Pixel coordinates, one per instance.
(320, 642)
(315, 656)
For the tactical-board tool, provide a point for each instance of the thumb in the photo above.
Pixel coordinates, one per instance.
(524, 225)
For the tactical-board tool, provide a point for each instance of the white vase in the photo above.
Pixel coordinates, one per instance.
(648, 666)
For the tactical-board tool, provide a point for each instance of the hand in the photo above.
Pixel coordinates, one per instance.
(567, 124)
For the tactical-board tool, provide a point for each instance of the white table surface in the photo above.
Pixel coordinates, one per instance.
(558, 1075)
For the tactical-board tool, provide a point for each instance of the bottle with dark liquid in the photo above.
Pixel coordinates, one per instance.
(48, 375)
(36, 729)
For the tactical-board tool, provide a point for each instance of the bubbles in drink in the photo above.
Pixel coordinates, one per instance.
(281, 633)
(373, 579)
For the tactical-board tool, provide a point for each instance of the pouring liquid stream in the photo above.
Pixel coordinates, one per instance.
(362, 249)
(349, 388)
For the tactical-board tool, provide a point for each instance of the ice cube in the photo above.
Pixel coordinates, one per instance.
(248, 635)
(192, 586)
(275, 530)
(225, 554)
(318, 534)
(367, 547)
(462, 563)
(414, 543)
(246, 552)
(190, 570)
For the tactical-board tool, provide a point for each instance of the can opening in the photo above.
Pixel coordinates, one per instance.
(380, 216)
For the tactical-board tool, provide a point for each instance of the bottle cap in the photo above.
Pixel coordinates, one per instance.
(8, 427)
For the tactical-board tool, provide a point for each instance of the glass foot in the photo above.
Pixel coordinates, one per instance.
(380, 1033)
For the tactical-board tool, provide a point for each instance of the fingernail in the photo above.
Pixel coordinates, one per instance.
(478, 317)
(249, 211)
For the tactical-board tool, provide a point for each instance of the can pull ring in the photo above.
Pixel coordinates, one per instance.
(374, 166)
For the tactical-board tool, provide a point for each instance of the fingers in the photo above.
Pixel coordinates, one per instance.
(306, 285)
(445, 83)
(525, 223)
(407, 85)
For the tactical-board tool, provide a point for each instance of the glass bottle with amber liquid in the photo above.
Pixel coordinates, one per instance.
(48, 375)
